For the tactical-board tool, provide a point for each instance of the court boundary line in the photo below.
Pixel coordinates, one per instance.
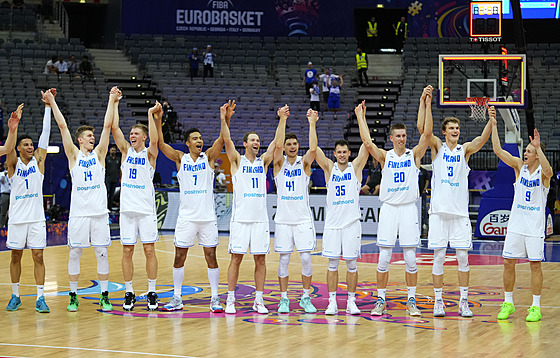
(94, 350)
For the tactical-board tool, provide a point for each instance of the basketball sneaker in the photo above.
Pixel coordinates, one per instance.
(464, 309)
(534, 314)
(73, 305)
(41, 305)
(411, 307)
(152, 301)
(230, 306)
(439, 308)
(380, 307)
(129, 300)
(215, 305)
(258, 306)
(106, 306)
(332, 308)
(305, 303)
(14, 303)
(351, 307)
(506, 310)
(175, 304)
(284, 306)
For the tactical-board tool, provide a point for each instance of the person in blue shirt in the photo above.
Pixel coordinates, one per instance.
(309, 76)
(194, 59)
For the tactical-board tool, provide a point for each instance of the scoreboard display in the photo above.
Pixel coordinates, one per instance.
(486, 19)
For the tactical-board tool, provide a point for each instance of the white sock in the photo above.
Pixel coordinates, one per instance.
(152, 285)
(284, 295)
(381, 293)
(258, 295)
(438, 293)
(15, 288)
(464, 292)
(214, 279)
(128, 285)
(305, 292)
(178, 275)
(104, 285)
(351, 295)
(332, 295)
(74, 286)
(411, 291)
(40, 291)
(231, 296)
(508, 297)
(537, 301)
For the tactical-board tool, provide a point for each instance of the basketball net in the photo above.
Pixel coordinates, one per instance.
(478, 108)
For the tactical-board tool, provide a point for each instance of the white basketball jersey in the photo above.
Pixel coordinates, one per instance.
(527, 215)
(343, 207)
(137, 186)
(450, 185)
(249, 192)
(399, 179)
(26, 197)
(196, 185)
(292, 194)
(89, 194)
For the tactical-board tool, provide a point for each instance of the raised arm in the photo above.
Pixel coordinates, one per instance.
(232, 153)
(325, 163)
(13, 122)
(275, 147)
(118, 135)
(422, 109)
(360, 162)
(309, 157)
(214, 151)
(153, 133)
(374, 150)
(546, 168)
(103, 144)
(69, 147)
(428, 124)
(477, 143)
(505, 156)
(41, 151)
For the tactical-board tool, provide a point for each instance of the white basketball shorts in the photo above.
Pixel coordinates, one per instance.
(243, 236)
(519, 246)
(453, 230)
(134, 226)
(33, 235)
(300, 235)
(86, 231)
(345, 242)
(401, 220)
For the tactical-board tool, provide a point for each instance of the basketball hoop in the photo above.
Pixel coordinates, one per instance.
(478, 108)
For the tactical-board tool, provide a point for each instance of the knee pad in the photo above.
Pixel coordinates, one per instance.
(102, 260)
(333, 264)
(462, 260)
(306, 268)
(351, 266)
(384, 259)
(409, 254)
(74, 260)
(283, 266)
(439, 260)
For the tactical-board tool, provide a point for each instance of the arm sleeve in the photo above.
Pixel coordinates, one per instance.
(44, 138)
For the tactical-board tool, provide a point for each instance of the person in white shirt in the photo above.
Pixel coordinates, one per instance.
(88, 224)
(220, 179)
(526, 225)
(4, 195)
(61, 65)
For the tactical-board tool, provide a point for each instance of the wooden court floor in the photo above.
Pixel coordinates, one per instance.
(195, 332)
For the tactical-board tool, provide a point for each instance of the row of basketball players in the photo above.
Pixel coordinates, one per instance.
(249, 231)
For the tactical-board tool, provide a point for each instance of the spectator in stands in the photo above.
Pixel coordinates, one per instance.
(47, 11)
(325, 79)
(219, 179)
(73, 66)
(4, 196)
(208, 62)
(169, 122)
(362, 66)
(18, 4)
(86, 68)
(194, 59)
(112, 174)
(373, 180)
(49, 66)
(371, 33)
(401, 33)
(334, 94)
(61, 65)
(315, 92)
(309, 75)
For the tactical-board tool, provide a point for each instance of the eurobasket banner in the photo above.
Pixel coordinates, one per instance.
(168, 209)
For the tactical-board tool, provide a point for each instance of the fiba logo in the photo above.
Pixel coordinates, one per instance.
(220, 4)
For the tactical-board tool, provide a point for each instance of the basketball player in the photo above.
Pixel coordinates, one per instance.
(137, 203)
(88, 224)
(526, 225)
(449, 207)
(343, 231)
(398, 194)
(294, 222)
(249, 217)
(195, 173)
